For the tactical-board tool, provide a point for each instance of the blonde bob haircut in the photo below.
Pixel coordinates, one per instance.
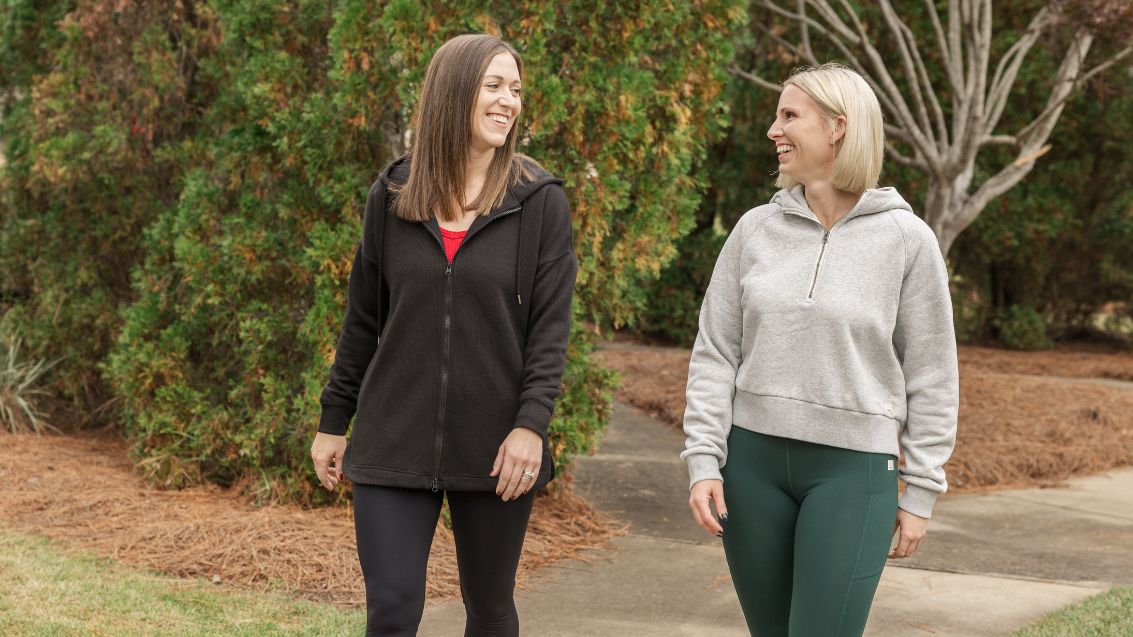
(841, 91)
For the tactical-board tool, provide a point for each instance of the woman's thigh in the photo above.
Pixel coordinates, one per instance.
(759, 534)
(394, 530)
(842, 536)
(489, 536)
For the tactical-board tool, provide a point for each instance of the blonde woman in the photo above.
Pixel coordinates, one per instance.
(826, 347)
(452, 347)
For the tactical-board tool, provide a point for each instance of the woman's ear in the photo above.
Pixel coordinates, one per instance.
(837, 129)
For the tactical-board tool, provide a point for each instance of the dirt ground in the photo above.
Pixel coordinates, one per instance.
(1018, 427)
(81, 489)
(1026, 418)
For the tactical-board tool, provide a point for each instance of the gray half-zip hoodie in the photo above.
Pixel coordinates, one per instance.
(841, 337)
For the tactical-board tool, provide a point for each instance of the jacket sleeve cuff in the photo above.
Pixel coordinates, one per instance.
(918, 501)
(535, 416)
(702, 466)
(335, 419)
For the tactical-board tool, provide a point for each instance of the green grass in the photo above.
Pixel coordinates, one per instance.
(1107, 615)
(48, 591)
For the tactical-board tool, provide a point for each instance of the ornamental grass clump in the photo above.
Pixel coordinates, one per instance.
(18, 413)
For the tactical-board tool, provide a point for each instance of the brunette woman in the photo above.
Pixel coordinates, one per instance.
(452, 346)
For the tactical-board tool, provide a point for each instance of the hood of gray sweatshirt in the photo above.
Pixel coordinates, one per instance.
(841, 337)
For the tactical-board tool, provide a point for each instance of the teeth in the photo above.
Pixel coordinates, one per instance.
(498, 118)
(786, 148)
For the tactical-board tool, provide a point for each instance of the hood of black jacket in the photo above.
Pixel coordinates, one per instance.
(397, 173)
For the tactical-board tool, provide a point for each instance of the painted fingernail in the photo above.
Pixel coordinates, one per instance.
(724, 516)
(720, 535)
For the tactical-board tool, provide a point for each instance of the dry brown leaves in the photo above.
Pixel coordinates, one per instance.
(1018, 427)
(81, 489)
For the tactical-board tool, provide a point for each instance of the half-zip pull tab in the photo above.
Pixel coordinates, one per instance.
(436, 487)
(817, 266)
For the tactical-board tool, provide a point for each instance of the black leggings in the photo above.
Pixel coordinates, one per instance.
(394, 528)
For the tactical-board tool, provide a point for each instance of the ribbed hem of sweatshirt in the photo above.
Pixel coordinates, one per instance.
(335, 419)
(812, 422)
(535, 416)
(702, 466)
(917, 500)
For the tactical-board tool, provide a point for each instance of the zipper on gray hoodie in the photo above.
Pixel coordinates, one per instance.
(841, 337)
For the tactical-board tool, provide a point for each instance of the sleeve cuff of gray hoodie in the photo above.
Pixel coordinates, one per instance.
(702, 466)
(918, 501)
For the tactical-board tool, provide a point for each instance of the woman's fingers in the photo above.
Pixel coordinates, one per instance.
(497, 464)
(521, 451)
(327, 454)
(911, 530)
(718, 497)
(701, 494)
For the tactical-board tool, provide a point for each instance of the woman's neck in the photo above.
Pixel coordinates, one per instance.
(828, 203)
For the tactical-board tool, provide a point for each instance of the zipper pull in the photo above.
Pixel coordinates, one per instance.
(448, 270)
(435, 487)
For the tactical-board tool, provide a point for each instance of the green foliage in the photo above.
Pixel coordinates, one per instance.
(93, 154)
(1106, 615)
(1021, 327)
(674, 309)
(585, 405)
(19, 381)
(98, 596)
(1057, 243)
(185, 185)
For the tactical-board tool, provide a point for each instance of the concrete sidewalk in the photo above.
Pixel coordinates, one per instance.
(990, 565)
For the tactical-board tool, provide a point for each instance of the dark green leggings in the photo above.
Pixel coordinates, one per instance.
(808, 530)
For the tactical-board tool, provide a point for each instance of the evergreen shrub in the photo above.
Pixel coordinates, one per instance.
(186, 180)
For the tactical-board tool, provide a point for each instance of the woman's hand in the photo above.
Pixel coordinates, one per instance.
(328, 449)
(912, 529)
(699, 496)
(520, 453)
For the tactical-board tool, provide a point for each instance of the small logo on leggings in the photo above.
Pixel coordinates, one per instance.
(890, 465)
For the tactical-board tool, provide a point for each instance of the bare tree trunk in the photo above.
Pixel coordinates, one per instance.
(919, 133)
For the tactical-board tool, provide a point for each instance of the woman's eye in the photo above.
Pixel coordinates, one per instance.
(492, 85)
(516, 92)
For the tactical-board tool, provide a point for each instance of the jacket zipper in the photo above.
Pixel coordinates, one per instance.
(817, 266)
(446, 341)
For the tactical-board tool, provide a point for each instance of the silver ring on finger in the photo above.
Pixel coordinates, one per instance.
(528, 475)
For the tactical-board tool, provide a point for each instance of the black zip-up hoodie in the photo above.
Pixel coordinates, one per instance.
(440, 362)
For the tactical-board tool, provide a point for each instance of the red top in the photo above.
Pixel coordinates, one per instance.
(452, 240)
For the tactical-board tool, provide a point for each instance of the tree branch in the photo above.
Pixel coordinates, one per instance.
(1076, 84)
(842, 48)
(735, 70)
(884, 84)
(1008, 68)
(804, 32)
(903, 44)
(784, 42)
(954, 79)
(1007, 140)
(896, 156)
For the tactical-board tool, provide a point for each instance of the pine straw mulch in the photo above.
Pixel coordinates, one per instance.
(1017, 428)
(81, 489)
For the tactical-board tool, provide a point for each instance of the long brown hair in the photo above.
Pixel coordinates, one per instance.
(442, 135)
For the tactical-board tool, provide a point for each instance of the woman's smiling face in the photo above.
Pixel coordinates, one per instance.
(497, 104)
(805, 140)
